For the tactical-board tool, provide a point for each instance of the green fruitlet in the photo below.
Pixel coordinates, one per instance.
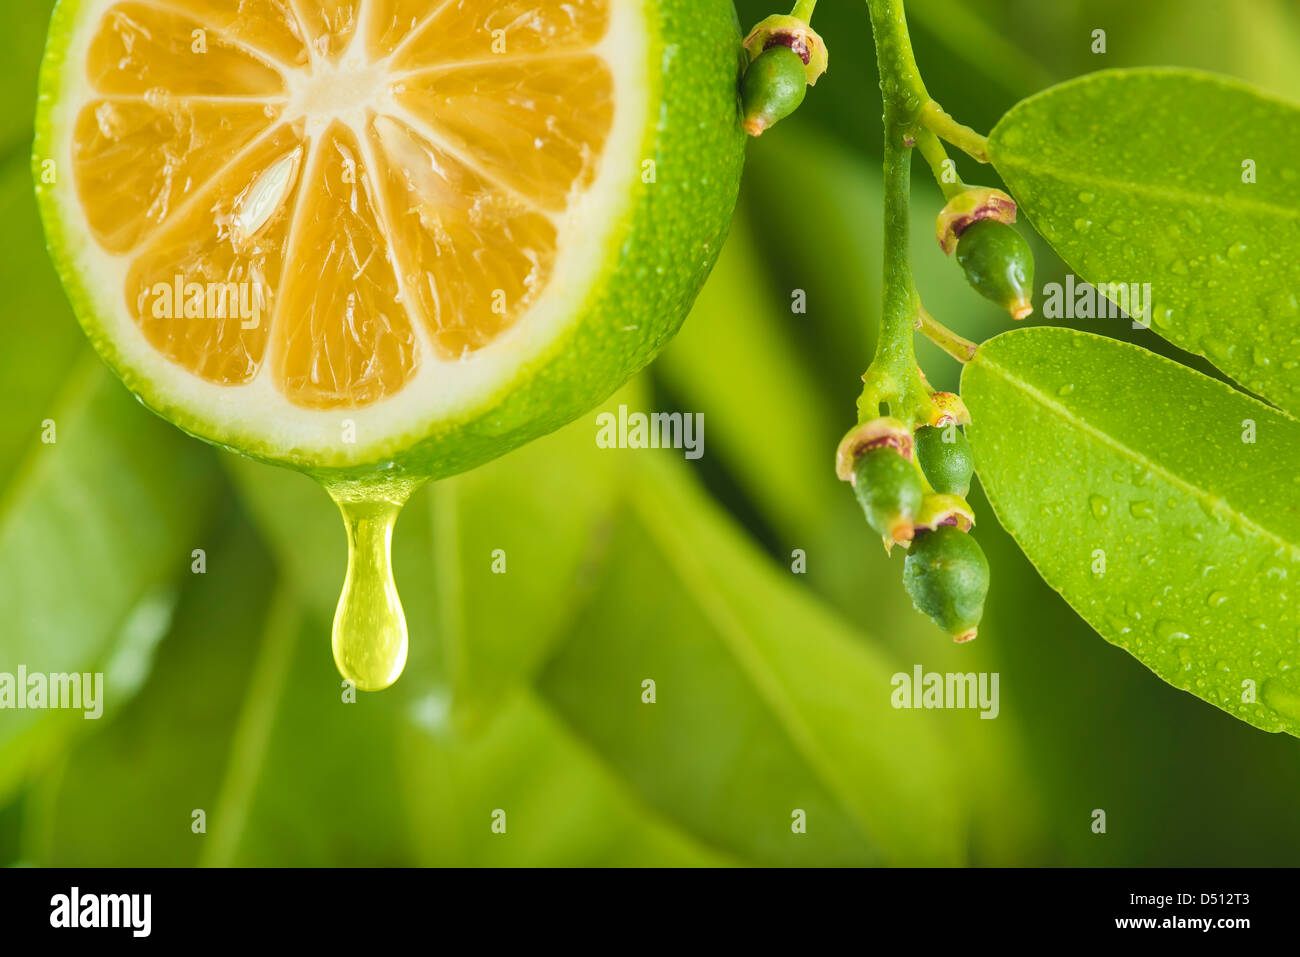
(946, 458)
(773, 87)
(888, 488)
(999, 264)
(947, 577)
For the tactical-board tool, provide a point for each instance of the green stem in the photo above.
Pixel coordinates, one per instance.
(803, 10)
(961, 349)
(893, 380)
(895, 344)
(932, 149)
(934, 119)
(900, 80)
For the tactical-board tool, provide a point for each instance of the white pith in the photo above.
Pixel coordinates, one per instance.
(257, 415)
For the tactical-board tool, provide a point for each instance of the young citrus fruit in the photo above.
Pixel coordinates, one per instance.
(341, 235)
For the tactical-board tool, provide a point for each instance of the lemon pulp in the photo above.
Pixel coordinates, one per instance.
(374, 184)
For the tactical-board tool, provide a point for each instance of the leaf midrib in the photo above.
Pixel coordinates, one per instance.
(1217, 503)
(1166, 194)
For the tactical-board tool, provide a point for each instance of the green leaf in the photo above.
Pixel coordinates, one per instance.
(1135, 177)
(562, 806)
(770, 425)
(764, 703)
(36, 314)
(243, 718)
(101, 503)
(516, 545)
(389, 780)
(94, 530)
(1162, 504)
(125, 796)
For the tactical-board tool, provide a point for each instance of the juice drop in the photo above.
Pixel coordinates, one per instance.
(369, 637)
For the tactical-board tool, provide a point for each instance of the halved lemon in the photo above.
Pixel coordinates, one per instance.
(350, 234)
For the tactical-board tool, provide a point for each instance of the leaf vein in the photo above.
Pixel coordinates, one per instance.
(1216, 502)
(1150, 191)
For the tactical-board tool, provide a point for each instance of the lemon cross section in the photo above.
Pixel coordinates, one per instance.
(343, 234)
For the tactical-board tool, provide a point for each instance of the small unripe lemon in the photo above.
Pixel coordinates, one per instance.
(773, 88)
(946, 458)
(947, 577)
(889, 490)
(999, 264)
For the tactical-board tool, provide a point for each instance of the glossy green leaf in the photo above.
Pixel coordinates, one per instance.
(126, 796)
(94, 532)
(101, 503)
(1185, 183)
(1162, 504)
(764, 704)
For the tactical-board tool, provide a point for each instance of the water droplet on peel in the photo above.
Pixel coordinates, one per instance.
(1086, 197)
(1065, 389)
(1100, 507)
(369, 637)
(1216, 598)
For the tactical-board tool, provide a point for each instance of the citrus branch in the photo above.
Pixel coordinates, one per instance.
(935, 155)
(938, 122)
(803, 10)
(960, 348)
(893, 384)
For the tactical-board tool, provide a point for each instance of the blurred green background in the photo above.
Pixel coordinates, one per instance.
(524, 690)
